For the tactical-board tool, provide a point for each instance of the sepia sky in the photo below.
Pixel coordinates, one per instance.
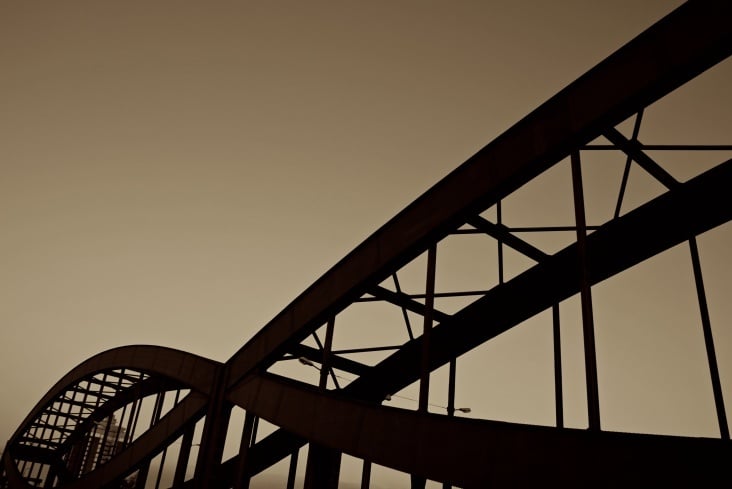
(176, 172)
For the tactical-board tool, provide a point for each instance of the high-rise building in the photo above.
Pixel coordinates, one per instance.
(103, 441)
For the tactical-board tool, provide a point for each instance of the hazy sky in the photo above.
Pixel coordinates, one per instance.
(176, 172)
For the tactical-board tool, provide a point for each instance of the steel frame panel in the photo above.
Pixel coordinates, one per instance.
(698, 36)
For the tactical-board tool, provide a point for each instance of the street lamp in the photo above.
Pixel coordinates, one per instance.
(465, 410)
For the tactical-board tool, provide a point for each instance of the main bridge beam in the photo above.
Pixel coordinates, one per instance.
(475, 453)
(682, 45)
(672, 218)
(690, 209)
(690, 40)
(180, 369)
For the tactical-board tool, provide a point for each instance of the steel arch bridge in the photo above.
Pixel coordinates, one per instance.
(88, 430)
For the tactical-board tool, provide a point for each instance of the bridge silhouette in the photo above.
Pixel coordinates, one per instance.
(106, 421)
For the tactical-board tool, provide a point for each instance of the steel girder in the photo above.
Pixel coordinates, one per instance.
(688, 210)
(158, 370)
(679, 47)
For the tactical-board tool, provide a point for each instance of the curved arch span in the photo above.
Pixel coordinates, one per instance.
(62, 434)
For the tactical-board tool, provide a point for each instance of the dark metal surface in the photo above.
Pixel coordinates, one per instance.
(582, 271)
(323, 463)
(709, 341)
(166, 369)
(668, 220)
(350, 418)
(558, 388)
(480, 453)
(698, 35)
(692, 208)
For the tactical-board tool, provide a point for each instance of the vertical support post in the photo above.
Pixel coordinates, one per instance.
(558, 395)
(499, 219)
(429, 304)
(159, 476)
(709, 341)
(424, 377)
(451, 388)
(327, 347)
(366, 475)
(165, 450)
(451, 401)
(183, 456)
(242, 477)
(132, 422)
(324, 464)
(293, 469)
(588, 326)
(144, 471)
(214, 434)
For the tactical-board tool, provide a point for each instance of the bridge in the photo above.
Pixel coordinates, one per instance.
(120, 417)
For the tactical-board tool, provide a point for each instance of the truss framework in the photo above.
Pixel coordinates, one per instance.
(106, 420)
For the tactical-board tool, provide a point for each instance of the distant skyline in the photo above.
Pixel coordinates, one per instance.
(175, 173)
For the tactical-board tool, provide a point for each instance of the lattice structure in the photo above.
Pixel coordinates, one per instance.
(105, 422)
